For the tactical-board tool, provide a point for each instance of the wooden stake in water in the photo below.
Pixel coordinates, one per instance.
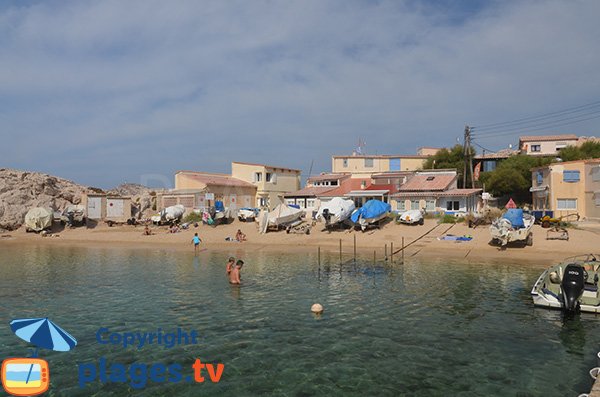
(340, 256)
(403, 250)
(374, 256)
(319, 258)
(355, 249)
(392, 252)
(385, 251)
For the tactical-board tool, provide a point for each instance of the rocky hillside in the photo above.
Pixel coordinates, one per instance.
(22, 190)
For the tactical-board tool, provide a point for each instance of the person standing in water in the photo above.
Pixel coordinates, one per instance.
(196, 241)
(234, 276)
(230, 265)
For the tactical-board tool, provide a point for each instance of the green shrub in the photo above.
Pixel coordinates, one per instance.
(448, 219)
(192, 217)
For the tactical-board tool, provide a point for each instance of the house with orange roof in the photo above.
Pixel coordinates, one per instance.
(194, 189)
(436, 191)
(570, 187)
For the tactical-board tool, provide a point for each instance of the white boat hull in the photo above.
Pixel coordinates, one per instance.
(543, 296)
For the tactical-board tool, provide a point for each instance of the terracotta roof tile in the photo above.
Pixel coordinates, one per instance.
(328, 177)
(310, 191)
(217, 179)
(428, 182)
(529, 138)
(346, 186)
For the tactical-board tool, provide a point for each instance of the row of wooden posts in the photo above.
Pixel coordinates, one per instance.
(391, 258)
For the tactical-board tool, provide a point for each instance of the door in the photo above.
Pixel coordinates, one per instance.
(114, 208)
(94, 207)
(395, 164)
(232, 201)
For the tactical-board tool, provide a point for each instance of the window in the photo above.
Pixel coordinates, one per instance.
(334, 183)
(489, 165)
(257, 176)
(310, 203)
(268, 177)
(263, 201)
(430, 205)
(597, 199)
(566, 204)
(290, 201)
(540, 177)
(369, 162)
(452, 205)
(570, 176)
(596, 173)
(430, 178)
(414, 204)
(401, 205)
(536, 148)
(345, 163)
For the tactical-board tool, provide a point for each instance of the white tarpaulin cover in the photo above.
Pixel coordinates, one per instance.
(173, 212)
(284, 214)
(38, 219)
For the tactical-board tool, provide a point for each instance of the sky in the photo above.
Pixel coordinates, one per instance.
(107, 92)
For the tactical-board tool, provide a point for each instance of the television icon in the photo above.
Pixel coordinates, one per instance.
(25, 376)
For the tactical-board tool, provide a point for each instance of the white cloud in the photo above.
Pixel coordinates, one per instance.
(148, 87)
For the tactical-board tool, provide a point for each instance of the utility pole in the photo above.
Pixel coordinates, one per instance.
(468, 159)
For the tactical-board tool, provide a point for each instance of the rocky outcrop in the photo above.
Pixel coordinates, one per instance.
(21, 190)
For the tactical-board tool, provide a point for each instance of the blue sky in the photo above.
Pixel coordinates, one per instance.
(109, 91)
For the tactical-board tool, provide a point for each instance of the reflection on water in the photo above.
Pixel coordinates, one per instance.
(421, 329)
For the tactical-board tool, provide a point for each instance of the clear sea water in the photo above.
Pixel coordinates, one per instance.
(425, 328)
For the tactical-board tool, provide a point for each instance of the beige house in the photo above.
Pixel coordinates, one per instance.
(546, 145)
(200, 189)
(271, 182)
(100, 206)
(316, 186)
(567, 188)
(361, 166)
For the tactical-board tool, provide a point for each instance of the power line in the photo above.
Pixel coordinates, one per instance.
(527, 130)
(531, 124)
(541, 116)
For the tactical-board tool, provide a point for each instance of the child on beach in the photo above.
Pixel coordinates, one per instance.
(196, 241)
(239, 236)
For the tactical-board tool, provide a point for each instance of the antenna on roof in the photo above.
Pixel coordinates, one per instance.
(360, 149)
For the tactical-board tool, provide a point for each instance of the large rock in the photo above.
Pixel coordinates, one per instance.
(21, 191)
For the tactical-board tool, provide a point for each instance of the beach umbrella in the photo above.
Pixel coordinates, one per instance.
(43, 333)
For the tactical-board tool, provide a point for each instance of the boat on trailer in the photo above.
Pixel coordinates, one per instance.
(571, 285)
(335, 211)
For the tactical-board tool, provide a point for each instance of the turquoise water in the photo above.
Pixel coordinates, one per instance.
(419, 329)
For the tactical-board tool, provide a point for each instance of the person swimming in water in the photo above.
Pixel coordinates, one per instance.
(234, 276)
(230, 264)
(196, 241)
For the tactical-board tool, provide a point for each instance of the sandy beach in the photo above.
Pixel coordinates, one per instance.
(421, 241)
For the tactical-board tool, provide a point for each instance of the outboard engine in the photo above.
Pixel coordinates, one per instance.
(326, 215)
(572, 286)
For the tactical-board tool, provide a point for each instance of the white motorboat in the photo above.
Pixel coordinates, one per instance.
(283, 214)
(335, 211)
(572, 285)
(371, 213)
(247, 214)
(412, 217)
(513, 226)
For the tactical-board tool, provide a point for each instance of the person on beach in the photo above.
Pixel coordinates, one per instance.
(147, 231)
(239, 236)
(230, 265)
(196, 241)
(234, 276)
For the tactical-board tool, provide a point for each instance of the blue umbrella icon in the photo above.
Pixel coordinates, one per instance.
(43, 333)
